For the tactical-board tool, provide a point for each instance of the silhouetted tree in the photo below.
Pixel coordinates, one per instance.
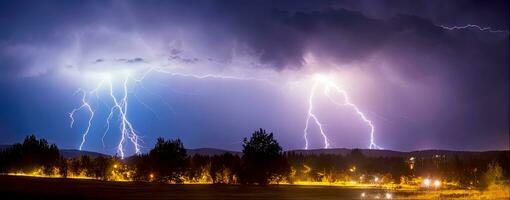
(262, 159)
(169, 160)
(102, 167)
(492, 176)
(63, 167)
(224, 168)
(142, 166)
(86, 165)
(74, 166)
(198, 166)
(30, 155)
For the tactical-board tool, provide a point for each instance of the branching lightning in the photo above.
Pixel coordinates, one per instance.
(128, 133)
(85, 105)
(329, 87)
(120, 105)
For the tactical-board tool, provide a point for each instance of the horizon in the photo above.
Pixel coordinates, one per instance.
(290, 150)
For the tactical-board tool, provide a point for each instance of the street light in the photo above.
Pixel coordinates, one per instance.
(426, 182)
(437, 183)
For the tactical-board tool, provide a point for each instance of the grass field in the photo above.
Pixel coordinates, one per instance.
(18, 187)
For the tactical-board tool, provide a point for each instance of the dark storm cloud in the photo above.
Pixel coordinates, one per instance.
(277, 34)
(402, 36)
(470, 65)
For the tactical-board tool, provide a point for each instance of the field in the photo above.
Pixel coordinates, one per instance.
(18, 187)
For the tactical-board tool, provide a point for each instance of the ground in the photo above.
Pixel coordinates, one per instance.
(18, 187)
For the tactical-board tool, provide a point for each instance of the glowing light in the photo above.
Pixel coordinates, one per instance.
(352, 169)
(363, 194)
(426, 182)
(329, 86)
(376, 179)
(307, 169)
(115, 166)
(437, 183)
(388, 196)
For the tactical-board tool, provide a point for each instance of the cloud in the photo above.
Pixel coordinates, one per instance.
(449, 81)
(131, 61)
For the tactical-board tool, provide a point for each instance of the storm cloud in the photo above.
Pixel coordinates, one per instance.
(451, 82)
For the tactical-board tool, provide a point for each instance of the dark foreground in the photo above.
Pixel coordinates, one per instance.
(20, 187)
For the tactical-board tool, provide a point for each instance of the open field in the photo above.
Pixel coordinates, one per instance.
(18, 187)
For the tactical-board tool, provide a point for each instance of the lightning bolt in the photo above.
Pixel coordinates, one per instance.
(312, 116)
(329, 86)
(85, 105)
(473, 26)
(120, 106)
(127, 130)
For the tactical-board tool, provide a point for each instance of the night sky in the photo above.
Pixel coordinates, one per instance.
(422, 85)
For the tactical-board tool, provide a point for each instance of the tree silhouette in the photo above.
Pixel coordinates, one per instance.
(198, 166)
(32, 154)
(169, 160)
(224, 168)
(492, 176)
(262, 159)
(102, 167)
(63, 167)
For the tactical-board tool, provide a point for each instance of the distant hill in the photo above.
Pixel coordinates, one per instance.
(391, 153)
(345, 151)
(73, 153)
(67, 153)
(211, 152)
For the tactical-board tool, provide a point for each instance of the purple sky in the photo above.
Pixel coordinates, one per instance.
(422, 85)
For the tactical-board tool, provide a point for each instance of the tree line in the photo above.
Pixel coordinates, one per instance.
(262, 162)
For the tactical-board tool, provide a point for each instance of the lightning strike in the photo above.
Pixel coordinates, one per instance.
(85, 105)
(473, 26)
(311, 115)
(329, 86)
(120, 106)
(127, 130)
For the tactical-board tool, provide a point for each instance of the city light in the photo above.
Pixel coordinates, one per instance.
(437, 183)
(426, 182)
(388, 196)
(352, 169)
